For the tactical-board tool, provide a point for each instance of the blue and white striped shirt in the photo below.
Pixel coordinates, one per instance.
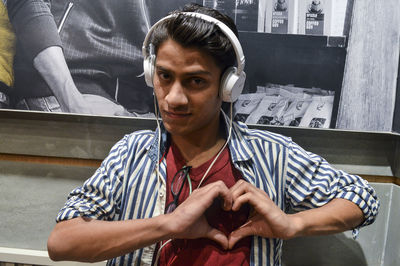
(126, 185)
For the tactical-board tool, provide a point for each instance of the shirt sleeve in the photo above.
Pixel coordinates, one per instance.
(33, 24)
(100, 196)
(312, 182)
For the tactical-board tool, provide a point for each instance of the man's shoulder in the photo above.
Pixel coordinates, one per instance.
(140, 137)
(140, 134)
(263, 135)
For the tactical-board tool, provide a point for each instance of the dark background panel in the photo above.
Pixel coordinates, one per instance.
(304, 61)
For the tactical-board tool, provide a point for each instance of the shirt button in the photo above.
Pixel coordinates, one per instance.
(161, 195)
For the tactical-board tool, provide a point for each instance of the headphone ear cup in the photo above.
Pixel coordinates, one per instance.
(231, 85)
(148, 68)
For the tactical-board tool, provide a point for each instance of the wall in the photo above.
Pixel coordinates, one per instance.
(28, 219)
(376, 245)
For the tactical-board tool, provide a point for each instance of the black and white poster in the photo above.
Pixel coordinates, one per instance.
(84, 57)
(77, 56)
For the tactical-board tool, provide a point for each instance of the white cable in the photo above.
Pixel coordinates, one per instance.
(222, 149)
(159, 137)
(159, 251)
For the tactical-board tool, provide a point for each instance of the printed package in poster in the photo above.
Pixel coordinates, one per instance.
(318, 113)
(269, 111)
(315, 17)
(246, 104)
(281, 16)
(286, 105)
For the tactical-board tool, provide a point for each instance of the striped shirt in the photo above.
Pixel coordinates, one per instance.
(126, 185)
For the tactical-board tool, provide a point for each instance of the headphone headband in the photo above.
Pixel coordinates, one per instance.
(240, 59)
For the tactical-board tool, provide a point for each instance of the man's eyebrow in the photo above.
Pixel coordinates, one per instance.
(193, 73)
(199, 72)
(161, 68)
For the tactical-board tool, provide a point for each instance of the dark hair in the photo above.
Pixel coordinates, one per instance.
(194, 32)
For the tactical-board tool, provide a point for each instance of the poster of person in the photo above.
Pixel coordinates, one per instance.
(77, 56)
(85, 57)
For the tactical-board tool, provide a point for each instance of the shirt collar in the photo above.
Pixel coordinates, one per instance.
(239, 146)
(153, 148)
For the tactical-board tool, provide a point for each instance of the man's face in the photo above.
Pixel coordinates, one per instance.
(186, 84)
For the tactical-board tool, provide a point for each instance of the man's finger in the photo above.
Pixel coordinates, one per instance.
(218, 237)
(239, 188)
(242, 187)
(242, 199)
(243, 231)
(221, 190)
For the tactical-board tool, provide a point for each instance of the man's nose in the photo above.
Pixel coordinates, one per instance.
(176, 95)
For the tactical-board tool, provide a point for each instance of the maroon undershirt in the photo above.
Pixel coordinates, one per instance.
(205, 251)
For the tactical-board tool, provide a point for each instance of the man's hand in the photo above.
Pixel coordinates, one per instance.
(188, 220)
(99, 105)
(266, 219)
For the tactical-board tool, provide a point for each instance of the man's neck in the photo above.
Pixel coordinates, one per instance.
(197, 151)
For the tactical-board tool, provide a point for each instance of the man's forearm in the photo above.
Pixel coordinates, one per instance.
(90, 240)
(51, 65)
(337, 216)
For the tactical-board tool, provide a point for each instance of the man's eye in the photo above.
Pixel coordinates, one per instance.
(198, 81)
(163, 76)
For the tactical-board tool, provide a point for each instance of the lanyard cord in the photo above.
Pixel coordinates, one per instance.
(221, 150)
(189, 182)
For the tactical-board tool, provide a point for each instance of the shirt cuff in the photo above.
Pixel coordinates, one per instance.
(78, 208)
(365, 201)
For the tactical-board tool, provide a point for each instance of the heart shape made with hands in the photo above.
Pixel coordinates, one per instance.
(202, 208)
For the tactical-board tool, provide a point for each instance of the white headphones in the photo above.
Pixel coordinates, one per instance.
(232, 81)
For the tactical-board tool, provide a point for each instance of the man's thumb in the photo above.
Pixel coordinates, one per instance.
(238, 234)
(218, 237)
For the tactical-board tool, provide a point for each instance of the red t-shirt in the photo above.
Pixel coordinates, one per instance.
(205, 251)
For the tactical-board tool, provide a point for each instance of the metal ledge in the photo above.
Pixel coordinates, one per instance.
(90, 137)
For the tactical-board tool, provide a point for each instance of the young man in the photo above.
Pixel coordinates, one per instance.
(219, 191)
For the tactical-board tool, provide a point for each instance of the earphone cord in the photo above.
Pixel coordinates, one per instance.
(159, 139)
(204, 176)
(222, 149)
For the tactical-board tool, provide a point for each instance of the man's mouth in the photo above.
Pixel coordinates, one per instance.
(176, 115)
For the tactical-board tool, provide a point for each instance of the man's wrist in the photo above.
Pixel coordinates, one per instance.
(167, 226)
(297, 226)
